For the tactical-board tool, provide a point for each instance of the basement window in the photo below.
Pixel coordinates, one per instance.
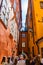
(23, 35)
(41, 4)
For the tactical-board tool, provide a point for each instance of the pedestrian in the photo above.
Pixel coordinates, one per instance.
(21, 61)
(3, 62)
(27, 61)
(32, 63)
(37, 61)
(8, 61)
(15, 62)
(41, 61)
(12, 57)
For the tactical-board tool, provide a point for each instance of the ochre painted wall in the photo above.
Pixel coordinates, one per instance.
(36, 23)
(38, 15)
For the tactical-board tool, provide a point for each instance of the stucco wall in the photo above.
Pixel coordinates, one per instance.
(6, 42)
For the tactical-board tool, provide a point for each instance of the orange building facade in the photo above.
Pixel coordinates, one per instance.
(35, 26)
(29, 23)
(9, 34)
(38, 23)
(7, 44)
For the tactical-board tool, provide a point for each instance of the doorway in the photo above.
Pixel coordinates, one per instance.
(33, 51)
(42, 52)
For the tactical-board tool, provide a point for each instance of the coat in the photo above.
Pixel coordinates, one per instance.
(21, 62)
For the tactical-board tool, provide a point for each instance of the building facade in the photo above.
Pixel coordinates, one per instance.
(35, 26)
(30, 29)
(10, 17)
(23, 42)
(38, 23)
(7, 44)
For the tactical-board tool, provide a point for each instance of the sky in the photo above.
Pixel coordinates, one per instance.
(24, 11)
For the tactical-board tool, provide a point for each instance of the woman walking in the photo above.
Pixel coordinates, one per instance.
(4, 61)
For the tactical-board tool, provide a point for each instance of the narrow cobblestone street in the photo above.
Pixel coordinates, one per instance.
(21, 32)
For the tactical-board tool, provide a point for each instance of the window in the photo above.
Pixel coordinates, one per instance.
(42, 52)
(23, 35)
(33, 51)
(23, 44)
(15, 5)
(1, 1)
(31, 15)
(42, 19)
(41, 4)
(17, 15)
(6, 23)
(28, 23)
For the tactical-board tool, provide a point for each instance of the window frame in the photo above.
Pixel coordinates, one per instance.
(41, 4)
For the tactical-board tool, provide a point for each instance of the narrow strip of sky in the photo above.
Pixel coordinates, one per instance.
(24, 11)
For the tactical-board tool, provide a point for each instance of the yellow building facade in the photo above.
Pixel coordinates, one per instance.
(37, 8)
(29, 23)
(35, 26)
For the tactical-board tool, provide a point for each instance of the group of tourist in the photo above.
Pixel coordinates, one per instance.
(22, 60)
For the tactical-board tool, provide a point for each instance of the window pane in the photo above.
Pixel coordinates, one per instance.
(23, 44)
(23, 35)
(41, 4)
(14, 5)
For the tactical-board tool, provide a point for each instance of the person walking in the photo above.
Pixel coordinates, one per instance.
(37, 61)
(41, 61)
(32, 61)
(15, 62)
(21, 61)
(3, 62)
(9, 61)
(27, 61)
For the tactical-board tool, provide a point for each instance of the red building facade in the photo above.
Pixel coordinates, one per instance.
(7, 44)
(9, 35)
